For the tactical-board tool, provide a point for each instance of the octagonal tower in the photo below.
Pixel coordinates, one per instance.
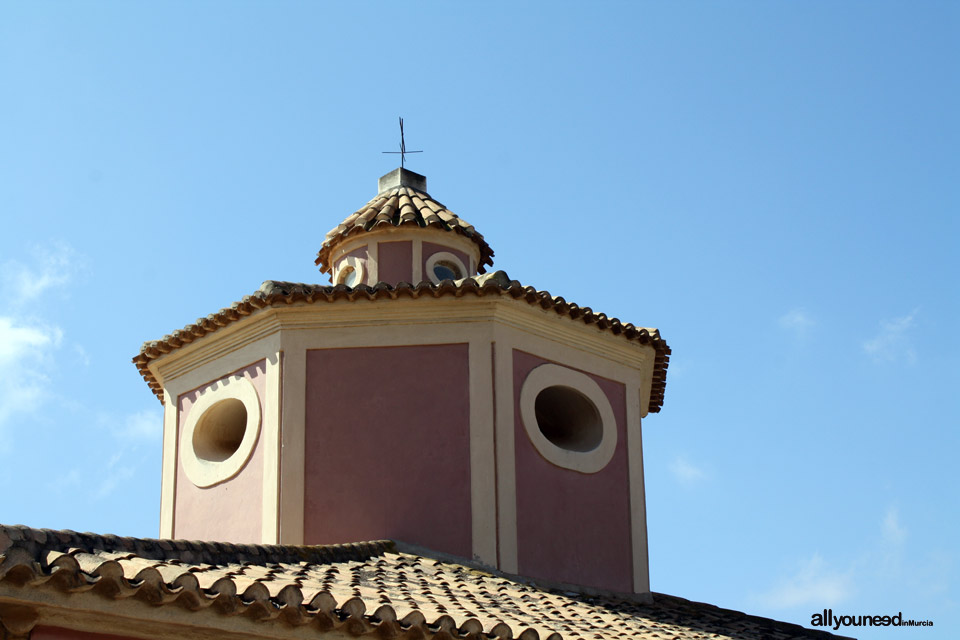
(465, 413)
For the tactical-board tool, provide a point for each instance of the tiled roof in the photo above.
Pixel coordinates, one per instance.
(273, 293)
(364, 589)
(402, 206)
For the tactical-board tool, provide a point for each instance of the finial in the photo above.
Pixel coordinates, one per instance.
(403, 147)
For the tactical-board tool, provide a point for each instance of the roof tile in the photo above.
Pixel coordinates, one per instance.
(398, 207)
(359, 589)
(276, 293)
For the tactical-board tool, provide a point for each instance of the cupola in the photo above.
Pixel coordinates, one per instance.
(413, 400)
(403, 235)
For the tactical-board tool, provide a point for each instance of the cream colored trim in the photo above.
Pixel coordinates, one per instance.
(445, 256)
(373, 263)
(552, 375)
(270, 522)
(353, 262)
(506, 460)
(609, 351)
(206, 473)
(417, 260)
(483, 484)
(638, 505)
(168, 482)
(645, 385)
(293, 434)
(231, 348)
(130, 617)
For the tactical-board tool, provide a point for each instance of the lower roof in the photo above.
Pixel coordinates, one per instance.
(376, 588)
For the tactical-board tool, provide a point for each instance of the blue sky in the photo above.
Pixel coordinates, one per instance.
(773, 185)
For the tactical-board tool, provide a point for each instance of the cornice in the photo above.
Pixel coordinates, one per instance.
(279, 306)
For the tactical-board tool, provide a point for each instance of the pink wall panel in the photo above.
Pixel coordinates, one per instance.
(429, 248)
(58, 633)
(395, 261)
(387, 446)
(229, 511)
(573, 527)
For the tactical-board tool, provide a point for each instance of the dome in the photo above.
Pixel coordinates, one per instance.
(402, 201)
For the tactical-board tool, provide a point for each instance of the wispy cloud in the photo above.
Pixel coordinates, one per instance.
(114, 474)
(26, 342)
(686, 472)
(892, 342)
(880, 559)
(143, 425)
(24, 351)
(893, 531)
(796, 320)
(815, 584)
(54, 265)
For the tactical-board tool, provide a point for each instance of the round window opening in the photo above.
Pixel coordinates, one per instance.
(348, 276)
(446, 270)
(568, 419)
(220, 430)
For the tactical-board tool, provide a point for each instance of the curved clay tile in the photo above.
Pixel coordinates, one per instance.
(406, 595)
(498, 283)
(401, 206)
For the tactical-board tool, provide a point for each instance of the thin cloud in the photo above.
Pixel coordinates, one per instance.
(686, 472)
(143, 425)
(816, 584)
(892, 342)
(54, 266)
(796, 320)
(27, 343)
(893, 531)
(24, 352)
(113, 477)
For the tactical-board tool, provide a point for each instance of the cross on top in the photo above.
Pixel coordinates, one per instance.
(403, 147)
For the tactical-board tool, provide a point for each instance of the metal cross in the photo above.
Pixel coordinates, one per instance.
(403, 147)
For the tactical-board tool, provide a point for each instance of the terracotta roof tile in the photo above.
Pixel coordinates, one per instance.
(274, 293)
(398, 207)
(359, 589)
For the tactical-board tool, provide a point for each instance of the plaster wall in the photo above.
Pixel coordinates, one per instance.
(572, 527)
(396, 262)
(387, 446)
(229, 511)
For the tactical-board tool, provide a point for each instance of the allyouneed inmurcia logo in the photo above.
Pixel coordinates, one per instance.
(827, 619)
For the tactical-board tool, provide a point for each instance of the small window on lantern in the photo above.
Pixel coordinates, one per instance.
(350, 273)
(445, 266)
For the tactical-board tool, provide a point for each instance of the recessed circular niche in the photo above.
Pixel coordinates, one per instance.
(568, 418)
(443, 265)
(350, 271)
(220, 432)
